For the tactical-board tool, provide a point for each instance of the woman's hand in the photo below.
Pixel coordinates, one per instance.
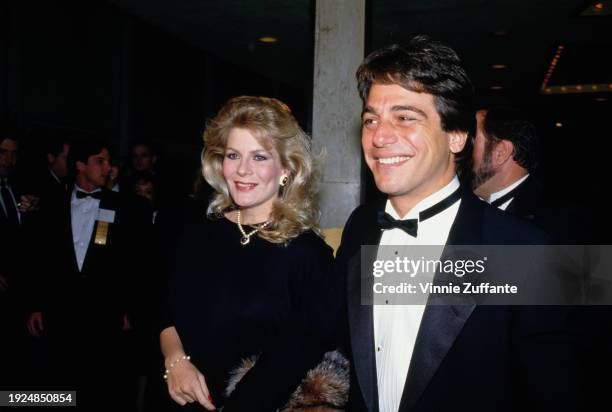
(187, 385)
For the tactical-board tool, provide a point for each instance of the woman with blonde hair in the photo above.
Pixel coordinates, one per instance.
(244, 273)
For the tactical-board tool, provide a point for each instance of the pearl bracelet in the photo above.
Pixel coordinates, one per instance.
(173, 364)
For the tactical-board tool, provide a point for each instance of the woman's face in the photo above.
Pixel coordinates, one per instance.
(252, 174)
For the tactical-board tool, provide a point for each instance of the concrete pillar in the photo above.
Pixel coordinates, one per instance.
(339, 49)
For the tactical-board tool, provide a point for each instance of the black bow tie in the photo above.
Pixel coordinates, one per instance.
(411, 226)
(386, 222)
(83, 195)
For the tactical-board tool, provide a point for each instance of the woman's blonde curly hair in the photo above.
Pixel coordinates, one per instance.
(271, 122)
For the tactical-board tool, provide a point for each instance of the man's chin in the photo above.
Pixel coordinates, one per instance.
(390, 189)
(385, 187)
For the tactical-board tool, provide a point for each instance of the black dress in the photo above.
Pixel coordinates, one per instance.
(228, 301)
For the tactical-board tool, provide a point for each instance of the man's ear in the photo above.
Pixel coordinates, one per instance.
(80, 166)
(456, 141)
(502, 152)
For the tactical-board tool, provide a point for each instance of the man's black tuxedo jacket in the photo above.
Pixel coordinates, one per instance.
(12, 240)
(471, 358)
(591, 325)
(48, 187)
(567, 222)
(100, 293)
(8, 231)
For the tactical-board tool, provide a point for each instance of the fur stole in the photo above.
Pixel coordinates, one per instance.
(324, 389)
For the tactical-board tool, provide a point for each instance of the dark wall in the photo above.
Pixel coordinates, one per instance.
(89, 69)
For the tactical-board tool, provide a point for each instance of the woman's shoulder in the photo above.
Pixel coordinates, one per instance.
(309, 243)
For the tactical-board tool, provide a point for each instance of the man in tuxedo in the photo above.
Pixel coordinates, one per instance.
(9, 196)
(10, 232)
(417, 116)
(504, 158)
(82, 282)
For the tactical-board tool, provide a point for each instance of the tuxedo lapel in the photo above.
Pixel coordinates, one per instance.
(360, 317)
(441, 324)
(66, 228)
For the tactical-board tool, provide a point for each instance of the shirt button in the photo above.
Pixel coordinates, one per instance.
(378, 349)
(386, 302)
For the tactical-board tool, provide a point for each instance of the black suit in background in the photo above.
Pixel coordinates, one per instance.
(591, 326)
(45, 184)
(466, 358)
(561, 217)
(9, 246)
(13, 249)
(83, 310)
(9, 231)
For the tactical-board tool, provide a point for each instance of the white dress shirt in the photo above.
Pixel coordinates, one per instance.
(83, 213)
(505, 190)
(396, 326)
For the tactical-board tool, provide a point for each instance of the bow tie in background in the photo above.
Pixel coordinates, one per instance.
(83, 195)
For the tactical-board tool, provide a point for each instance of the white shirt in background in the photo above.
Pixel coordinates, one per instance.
(83, 213)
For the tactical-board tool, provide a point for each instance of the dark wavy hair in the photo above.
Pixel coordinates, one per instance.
(508, 123)
(80, 151)
(426, 66)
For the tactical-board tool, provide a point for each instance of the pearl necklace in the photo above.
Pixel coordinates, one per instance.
(246, 237)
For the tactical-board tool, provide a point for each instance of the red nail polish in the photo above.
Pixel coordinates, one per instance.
(210, 398)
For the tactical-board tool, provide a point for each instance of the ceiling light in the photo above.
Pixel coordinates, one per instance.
(558, 124)
(499, 66)
(551, 67)
(577, 88)
(268, 39)
(599, 6)
(497, 87)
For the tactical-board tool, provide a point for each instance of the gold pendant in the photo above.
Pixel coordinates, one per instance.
(245, 240)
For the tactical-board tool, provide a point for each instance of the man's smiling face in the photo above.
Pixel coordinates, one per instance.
(404, 145)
